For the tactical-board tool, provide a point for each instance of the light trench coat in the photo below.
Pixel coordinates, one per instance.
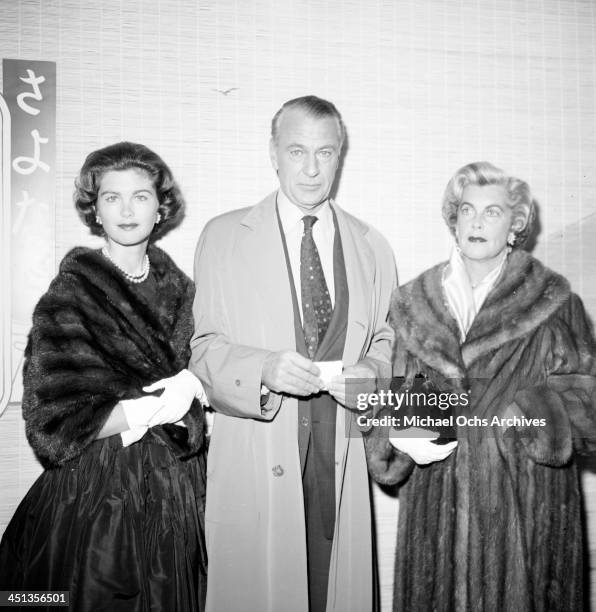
(255, 526)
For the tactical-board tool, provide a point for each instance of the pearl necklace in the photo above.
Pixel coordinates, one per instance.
(139, 278)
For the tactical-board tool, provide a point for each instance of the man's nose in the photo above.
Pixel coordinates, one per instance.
(311, 165)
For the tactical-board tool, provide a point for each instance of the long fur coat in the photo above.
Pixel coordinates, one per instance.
(496, 526)
(97, 339)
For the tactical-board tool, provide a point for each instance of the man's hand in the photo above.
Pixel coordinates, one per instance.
(291, 373)
(354, 380)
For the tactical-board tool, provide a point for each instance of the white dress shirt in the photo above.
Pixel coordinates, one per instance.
(323, 234)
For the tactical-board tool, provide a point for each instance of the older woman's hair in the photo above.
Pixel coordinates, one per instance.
(124, 156)
(518, 192)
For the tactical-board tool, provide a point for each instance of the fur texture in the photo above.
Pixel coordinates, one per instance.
(97, 339)
(496, 526)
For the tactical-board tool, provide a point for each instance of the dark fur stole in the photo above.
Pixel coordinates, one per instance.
(97, 339)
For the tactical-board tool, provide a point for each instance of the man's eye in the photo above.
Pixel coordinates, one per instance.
(295, 152)
(325, 154)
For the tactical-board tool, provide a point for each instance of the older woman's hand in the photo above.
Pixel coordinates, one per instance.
(420, 447)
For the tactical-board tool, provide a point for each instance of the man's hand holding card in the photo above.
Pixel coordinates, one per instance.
(347, 385)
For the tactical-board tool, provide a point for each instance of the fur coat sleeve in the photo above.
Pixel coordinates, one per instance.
(386, 464)
(96, 340)
(566, 398)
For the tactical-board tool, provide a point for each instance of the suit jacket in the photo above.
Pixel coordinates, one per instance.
(255, 511)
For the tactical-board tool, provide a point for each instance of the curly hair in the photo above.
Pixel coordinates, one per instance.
(519, 197)
(123, 156)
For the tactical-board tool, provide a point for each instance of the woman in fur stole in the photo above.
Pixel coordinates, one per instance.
(116, 518)
(493, 524)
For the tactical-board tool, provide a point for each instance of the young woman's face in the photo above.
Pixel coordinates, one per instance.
(483, 222)
(127, 206)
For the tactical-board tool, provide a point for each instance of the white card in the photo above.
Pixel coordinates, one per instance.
(329, 369)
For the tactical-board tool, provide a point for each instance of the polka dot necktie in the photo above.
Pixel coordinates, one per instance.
(316, 303)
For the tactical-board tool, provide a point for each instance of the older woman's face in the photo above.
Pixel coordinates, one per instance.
(483, 222)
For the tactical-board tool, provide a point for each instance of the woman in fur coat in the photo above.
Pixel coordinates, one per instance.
(491, 522)
(116, 518)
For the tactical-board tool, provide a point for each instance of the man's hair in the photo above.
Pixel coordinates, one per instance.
(314, 107)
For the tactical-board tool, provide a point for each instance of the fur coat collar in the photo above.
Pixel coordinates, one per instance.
(525, 296)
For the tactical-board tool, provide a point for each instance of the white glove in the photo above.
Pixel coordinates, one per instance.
(422, 449)
(178, 393)
(138, 413)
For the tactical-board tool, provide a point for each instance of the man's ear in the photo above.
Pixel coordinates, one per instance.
(273, 154)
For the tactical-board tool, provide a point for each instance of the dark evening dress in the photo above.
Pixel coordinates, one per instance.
(119, 528)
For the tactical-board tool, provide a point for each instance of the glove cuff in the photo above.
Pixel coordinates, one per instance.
(135, 417)
(130, 436)
(193, 383)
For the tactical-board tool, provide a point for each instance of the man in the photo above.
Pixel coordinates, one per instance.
(288, 282)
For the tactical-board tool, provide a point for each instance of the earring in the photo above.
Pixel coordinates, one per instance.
(98, 220)
(511, 238)
(457, 247)
(157, 218)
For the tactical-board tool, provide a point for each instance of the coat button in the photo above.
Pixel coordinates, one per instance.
(237, 382)
(277, 470)
(304, 421)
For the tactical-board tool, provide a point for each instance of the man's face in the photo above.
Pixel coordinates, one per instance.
(306, 156)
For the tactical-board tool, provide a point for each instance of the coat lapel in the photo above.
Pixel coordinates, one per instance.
(360, 268)
(265, 277)
(525, 296)
(424, 326)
